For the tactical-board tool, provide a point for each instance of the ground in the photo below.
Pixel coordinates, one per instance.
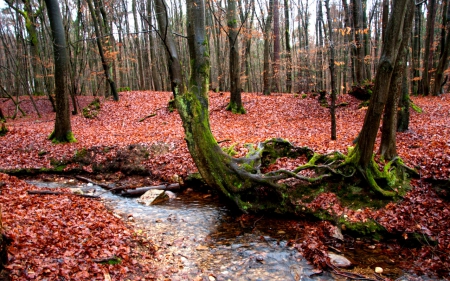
(121, 126)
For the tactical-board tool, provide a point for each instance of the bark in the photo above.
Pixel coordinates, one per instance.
(63, 129)
(403, 112)
(235, 104)
(388, 148)
(365, 144)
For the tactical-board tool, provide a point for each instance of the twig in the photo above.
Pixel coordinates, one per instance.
(148, 116)
(49, 192)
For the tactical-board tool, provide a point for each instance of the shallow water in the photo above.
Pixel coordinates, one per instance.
(202, 239)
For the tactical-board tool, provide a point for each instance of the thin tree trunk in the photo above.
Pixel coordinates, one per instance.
(111, 82)
(332, 71)
(266, 71)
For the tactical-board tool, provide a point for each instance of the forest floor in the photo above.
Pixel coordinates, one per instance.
(49, 241)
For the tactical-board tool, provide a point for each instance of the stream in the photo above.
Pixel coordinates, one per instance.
(203, 240)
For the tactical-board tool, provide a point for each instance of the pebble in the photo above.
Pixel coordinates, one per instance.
(339, 261)
(378, 270)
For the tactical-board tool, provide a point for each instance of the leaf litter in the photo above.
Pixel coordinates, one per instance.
(62, 236)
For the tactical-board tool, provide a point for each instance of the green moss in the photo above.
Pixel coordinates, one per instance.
(415, 107)
(171, 105)
(3, 129)
(233, 107)
(369, 228)
(230, 150)
(304, 96)
(123, 89)
(93, 109)
(69, 138)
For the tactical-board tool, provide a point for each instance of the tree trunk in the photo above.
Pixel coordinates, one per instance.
(428, 54)
(287, 36)
(388, 148)
(155, 77)
(332, 71)
(363, 150)
(110, 81)
(416, 50)
(235, 104)
(276, 46)
(266, 71)
(63, 129)
(443, 63)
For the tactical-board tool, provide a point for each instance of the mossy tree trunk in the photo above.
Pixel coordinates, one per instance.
(362, 154)
(63, 128)
(241, 180)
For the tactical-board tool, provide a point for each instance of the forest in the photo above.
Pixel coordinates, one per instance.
(330, 117)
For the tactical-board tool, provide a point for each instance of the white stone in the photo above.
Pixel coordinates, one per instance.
(378, 270)
(339, 261)
(152, 196)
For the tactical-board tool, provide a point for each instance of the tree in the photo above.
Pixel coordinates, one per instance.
(388, 148)
(332, 71)
(266, 71)
(241, 180)
(276, 45)
(235, 104)
(63, 129)
(427, 63)
(288, 47)
(362, 154)
(105, 64)
(443, 60)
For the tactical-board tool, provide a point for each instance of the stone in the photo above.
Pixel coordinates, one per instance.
(152, 197)
(339, 261)
(336, 233)
(378, 270)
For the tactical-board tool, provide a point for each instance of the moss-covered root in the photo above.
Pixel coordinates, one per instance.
(68, 138)
(233, 107)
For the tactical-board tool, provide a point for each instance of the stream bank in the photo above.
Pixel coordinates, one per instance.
(198, 238)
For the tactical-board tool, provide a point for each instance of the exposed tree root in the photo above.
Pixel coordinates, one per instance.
(256, 191)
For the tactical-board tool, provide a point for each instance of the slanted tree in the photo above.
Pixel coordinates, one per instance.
(63, 129)
(362, 154)
(244, 181)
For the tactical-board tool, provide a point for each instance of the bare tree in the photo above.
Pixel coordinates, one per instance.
(63, 129)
